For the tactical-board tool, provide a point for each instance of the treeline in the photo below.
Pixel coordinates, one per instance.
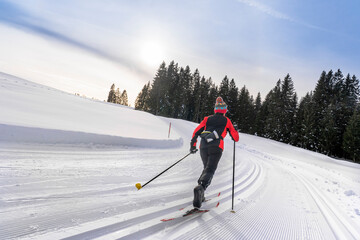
(326, 120)
(116, 97)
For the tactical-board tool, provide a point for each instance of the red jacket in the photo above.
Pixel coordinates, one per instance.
(220, 124)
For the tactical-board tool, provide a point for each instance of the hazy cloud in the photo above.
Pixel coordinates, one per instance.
(12, 15)
(266, 9)
(276, 14)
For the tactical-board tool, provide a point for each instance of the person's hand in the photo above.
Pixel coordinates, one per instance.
(193, 149)
(236, 127)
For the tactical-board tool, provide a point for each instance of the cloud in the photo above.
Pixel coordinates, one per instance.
(266, 9)
(276, 14)
(12, 15)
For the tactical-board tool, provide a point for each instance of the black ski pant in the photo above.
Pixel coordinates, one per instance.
(210, 157)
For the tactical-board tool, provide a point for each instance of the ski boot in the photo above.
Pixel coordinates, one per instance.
(198, 196)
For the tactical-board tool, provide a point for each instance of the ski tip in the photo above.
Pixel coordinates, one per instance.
(219, 194)
(166, 220)
(217, 204)
(138, 186)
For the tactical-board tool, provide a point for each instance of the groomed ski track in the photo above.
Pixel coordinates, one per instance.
(275, 198)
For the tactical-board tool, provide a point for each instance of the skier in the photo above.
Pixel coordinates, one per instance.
(212, 131)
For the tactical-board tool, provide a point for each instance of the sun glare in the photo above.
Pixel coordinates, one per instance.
(152, 54)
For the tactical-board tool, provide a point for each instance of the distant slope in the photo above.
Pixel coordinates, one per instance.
(27, 107)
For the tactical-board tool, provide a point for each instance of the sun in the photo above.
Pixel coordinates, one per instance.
(152, 53)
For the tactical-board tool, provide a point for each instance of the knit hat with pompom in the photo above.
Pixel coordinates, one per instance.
(220, 106)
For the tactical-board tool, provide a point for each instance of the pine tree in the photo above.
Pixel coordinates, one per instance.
(142, 98)
(146, 97)
(352, 138)
(117, 96)
(156, 96)
(124, 98)
(233, 102)
(258, 102)
(224, 89)
(196, 97)
(322, 98)
(179, 95)
(170, 90)
(351, 91)
(246, 111)
(205, 86)
(350, 96)
(112, 96)
(330, 137)
(288, 102)
(273, 126)
(258, 123)
(280, 106)
(262, 117)
(323, 90)
(211, 98)
(335, 120)
(304, 123)
(188, 82)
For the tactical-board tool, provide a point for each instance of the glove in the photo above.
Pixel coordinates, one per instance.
(236, 127)
(193, 149)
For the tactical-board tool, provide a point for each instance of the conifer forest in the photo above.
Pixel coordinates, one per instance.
(325, 120)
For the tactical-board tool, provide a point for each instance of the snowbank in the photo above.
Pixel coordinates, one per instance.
(18, 134)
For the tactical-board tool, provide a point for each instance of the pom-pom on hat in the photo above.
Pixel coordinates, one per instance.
(220, 106)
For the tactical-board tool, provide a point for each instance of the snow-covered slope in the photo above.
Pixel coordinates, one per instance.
(52, 187)
(34, 113)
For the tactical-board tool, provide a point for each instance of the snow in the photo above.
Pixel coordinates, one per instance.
(69, 165)
(349, 193)
(28, 104)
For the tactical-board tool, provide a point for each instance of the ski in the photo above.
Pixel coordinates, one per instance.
(206, 200)
(195, 211)
(191, 212)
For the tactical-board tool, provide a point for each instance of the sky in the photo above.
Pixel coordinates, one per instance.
(85, 46)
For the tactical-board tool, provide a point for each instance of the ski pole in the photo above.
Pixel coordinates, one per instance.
(138, 185)
(233, 183)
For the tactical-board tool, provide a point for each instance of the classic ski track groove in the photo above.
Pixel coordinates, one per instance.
(253, 172)
(246, 184)
(329, 212)
(10, 230)
(150, 217)
(316, 232)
